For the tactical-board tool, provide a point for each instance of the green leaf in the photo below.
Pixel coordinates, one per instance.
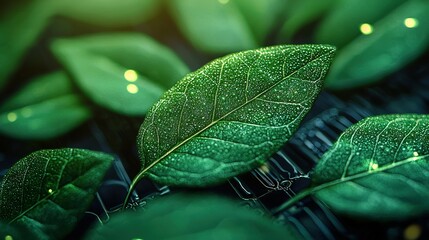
(108, 13)
(48, 191)
(378, 169)
(231, 115)
(342, 25)
(43, 109)
(261, 16)
(302, 12)
(126, 73)
(215, 26)
(396, 40)
(19, 29)
(191, 217)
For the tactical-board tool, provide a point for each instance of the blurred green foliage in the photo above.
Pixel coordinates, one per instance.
(372, 37)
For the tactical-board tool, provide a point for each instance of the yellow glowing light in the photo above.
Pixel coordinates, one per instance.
(374, 166)
(8, 237)
(11, 117)
(50, 191)
(223, 1)
(411, 22)
(132, 88)
(415, 154)
(130, 75)
(412, 232)
(366, 28)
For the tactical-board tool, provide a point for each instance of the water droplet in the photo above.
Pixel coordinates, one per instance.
(366, 28)
(11, 117)
(411, 22)
(132, 88)
(130, 75)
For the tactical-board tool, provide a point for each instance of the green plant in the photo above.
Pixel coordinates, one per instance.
(203, 127)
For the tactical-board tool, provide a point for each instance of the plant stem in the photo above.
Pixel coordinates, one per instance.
(130, 190)
(294, 200)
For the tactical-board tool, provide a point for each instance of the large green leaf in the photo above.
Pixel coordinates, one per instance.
(19, 29)
(126, 72)
(231, 115)
(49, 190)
(223, 26)
(396, 40)
(43, 109)
(378, 169)
(343, 23)
(191, 217)
(109, 13)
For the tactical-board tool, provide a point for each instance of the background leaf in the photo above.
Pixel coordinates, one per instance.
(43, 109)
(231, 115)
(19, 28)
(191, 217)
(378, 169)
(342, 23)
(390, 46)
(101, 66)
(108, 13)
(41, 191)
(302, 12)
(214, 26)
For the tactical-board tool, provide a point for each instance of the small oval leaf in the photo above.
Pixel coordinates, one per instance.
(191, 217)
(378, 169)
(43, 109)
(396, 40)
(48, 191)
(231, 115)
(126, 73)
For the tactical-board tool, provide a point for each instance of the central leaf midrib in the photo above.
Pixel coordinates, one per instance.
(140, 175)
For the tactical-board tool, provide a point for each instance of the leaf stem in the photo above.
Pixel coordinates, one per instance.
(294, 200)
(131, 189)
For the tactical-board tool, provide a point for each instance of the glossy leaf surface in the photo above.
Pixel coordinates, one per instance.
(49, 190)
(231, 115)
(378, 169)
(43, 109)
(126, 73)
(191, 217)
(396, 40)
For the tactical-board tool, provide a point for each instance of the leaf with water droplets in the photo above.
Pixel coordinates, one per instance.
(193, 217)
(395, 41)
(126, 72)
(231, 115)
(45, 108)
(378, 169)
(48, 191)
